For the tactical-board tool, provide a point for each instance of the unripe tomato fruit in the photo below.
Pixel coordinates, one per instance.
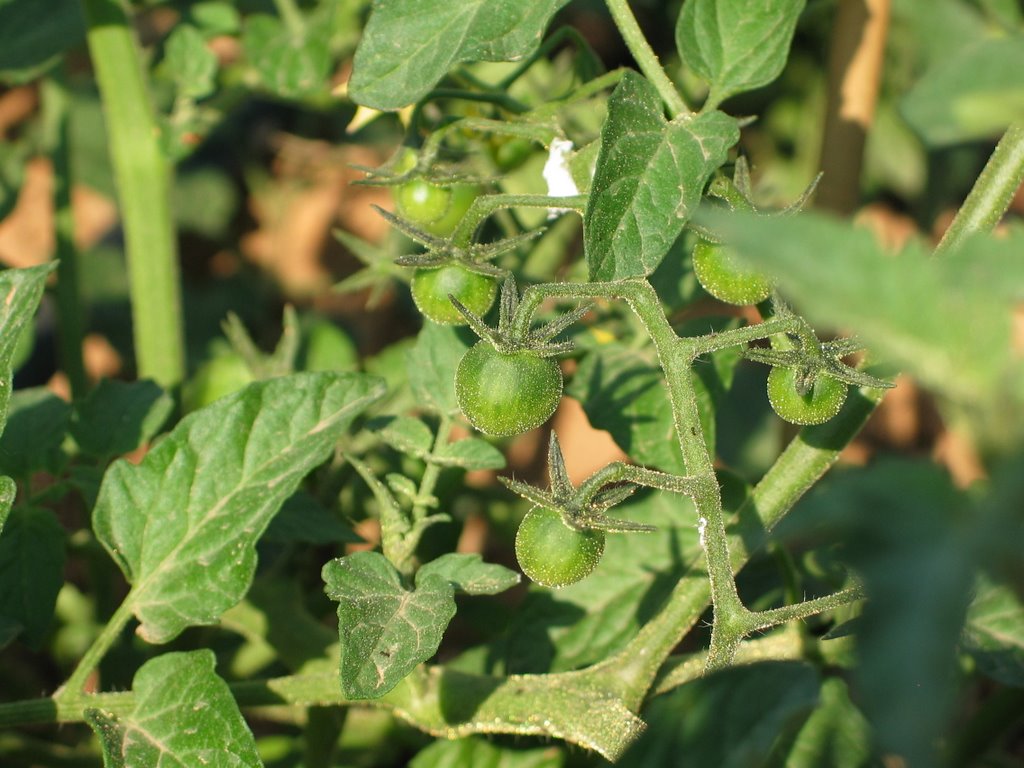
(327, 348)
(507, 393)
(435, 208)
(216, 378)
(553, 554)
(431, 287)
(821, 403)
(720, 275)
(510, 152)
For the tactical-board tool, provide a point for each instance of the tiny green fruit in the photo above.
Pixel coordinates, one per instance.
(431, 287)
(720, 275)
(216, 378)
(821, 402)
(437, 209)
(554, 554)
(507, 393)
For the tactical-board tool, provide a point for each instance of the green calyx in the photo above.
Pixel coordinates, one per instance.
(580, 509)
(813, 358)
(505, 338)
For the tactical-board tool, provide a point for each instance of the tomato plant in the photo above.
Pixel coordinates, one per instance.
(552, 552)
(290, 535)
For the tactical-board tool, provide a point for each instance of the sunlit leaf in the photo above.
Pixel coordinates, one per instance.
(409, 46)
(736, 45)
(183, 523)
(184, 716)
(649, 179)
(385, 628)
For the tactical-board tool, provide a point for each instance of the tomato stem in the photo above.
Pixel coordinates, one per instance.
(144, 177)
(645, 56)
(992, 192)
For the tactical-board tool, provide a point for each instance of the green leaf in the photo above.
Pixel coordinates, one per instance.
(183, 523)
(8, 492)
(649, 179)
(903, 530)
(408, 46)
(471, 453)
(588, 621)
(116, 417)
(184, 716)
(384, 628)
(190, 63)
(431, 365)
(836, 734)
(21, 290)
(408, 435)
(36, 426)
(946, 320)
(31, 569)
(731, 719)
(623, 391)
(994, 634)
(215, 17)
(973, 94)
(288, 65)
(30, 41)
(736, 45)
(470, 574)
(480, 753)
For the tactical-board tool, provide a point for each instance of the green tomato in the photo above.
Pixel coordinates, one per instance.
(510, 152)
(327, 348)
(216, 378)
(821, 403)
(431, 287)
(507, 393)
(554, 554)
(435, 208)
(720, 275)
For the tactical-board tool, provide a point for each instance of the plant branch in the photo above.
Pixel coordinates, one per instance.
(94, 655)
(992, 192)
(760, 620)
(779, 646)
(144, 178)
(645, 56)
(485, 205)
(56, 115)
(619, 472)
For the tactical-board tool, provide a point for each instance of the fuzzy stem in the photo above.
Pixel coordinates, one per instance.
(645, 56)
(992, 192)
(144, 177)
(618, 472)
(485, 205)
(92, 657)
(69, 307)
